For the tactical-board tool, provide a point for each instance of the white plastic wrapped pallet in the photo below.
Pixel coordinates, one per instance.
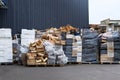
(54, 52)
(27, 37)
(6, 54)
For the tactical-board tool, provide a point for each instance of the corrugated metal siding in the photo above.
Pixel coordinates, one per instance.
(41, 14)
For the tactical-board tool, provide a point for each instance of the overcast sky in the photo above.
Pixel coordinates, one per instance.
(103, 9)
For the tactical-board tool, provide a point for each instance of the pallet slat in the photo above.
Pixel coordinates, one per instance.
(74, 63)
(7, 63)
(47, 65)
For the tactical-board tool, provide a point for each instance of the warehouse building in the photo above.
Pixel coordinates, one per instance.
(42, 14)
(109, 24)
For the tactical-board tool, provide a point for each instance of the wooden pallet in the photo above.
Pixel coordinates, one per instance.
(89, 63)
(47, 65)
(109, 62)
(6, 63)
(74, 63)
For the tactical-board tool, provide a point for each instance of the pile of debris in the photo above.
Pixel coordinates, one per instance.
(47, 50)
(46, 46)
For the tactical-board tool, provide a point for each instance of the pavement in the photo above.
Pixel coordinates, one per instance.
(68, 72)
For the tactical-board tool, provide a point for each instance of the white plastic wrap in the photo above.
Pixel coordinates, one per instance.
(24, 49)
(55, 52)
(5, 33)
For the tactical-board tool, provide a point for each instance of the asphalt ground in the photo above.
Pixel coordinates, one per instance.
(68, 72)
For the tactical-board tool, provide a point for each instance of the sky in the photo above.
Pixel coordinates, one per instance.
(103, 9)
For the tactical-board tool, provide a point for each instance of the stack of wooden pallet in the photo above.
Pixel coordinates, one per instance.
(6, 55)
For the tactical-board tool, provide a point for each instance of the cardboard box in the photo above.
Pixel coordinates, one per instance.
(79, 43)
(105, 58)
(78, 48)
(74, 53)
(60, 42)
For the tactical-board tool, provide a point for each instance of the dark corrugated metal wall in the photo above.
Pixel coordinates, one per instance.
(41, 14)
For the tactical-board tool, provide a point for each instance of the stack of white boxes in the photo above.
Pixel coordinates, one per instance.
(77, 48)
(27, 37)
(6, 54)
